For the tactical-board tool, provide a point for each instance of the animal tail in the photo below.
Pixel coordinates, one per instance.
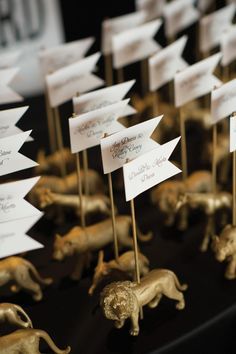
(24, 314)
(44, 281)
(179, 286)
(51, 344)
(142, 237)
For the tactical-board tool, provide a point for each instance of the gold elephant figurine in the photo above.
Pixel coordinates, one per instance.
(26, 341)
(224, 248)
(209, 203)
(14, 314)
(93, 238)
(122, 300)
(23, 275)
(125, 263)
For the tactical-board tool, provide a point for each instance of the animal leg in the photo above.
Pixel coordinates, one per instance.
(28, 284)
(126, 242)
(230, 270)
(154, 303)
(183, 219)
(77, 272)
(16, 320)
(15, 288)
(119, 324)
(134, 330)
(208, 233)
(175, 294)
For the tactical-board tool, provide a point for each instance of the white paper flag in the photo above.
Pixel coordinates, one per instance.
(164, 65)
(10, 159)
(9, 59)
(64, 83)
(128, 144)
(179, 14)
(212, 27)
(8, 119)
(149, 169)
(223, 101)
(7, 94)
(86, 130)
(196, 80)
(135, 44)
(55, 58)
(13, 238)
(152, 8)
(12, 203)
(119, 24)
(232, 134)
(228, 46)
(102, 98)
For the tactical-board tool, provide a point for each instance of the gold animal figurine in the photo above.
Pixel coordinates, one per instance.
(122, 300)
(166, 195)
(95, 237)
(98, 203)
(124, 263)
(209, 203)
(13, 314)
(224, 248)
(51, 164)
(26, 341)
(19, 271)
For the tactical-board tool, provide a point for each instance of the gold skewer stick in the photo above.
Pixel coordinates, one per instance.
(120, 75)
(214, 165)
(234, 183)
(85, 164)
(136, 256)
(80, 191)
(113, 217)
(155, 103)
(59, 140)
(108, 69)
(50, 123)
(113, 214)
(183, 145)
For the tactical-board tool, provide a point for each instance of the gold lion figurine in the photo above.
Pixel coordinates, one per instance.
(124, 263)
(19, 271)
(224, 248)
(122, 300)
(13, 314)
(26, 341)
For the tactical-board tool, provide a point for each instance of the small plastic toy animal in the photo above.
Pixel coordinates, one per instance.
(92, 204)
(166, 196)
(19, 271)
(124, 263)
(13, 314)
(93, 238)
(122, 300)
(26, 341)
(209, 203)
(224, 248)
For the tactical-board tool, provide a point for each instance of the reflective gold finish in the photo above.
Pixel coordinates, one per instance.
(13, 314)
(166, 195)
(19, 272)
(122, 300)
(124, 263)
(224, 248)
(209, 203)
(27, 341)
(93, 238)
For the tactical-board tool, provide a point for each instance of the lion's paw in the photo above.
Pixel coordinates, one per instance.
(134, 332)
(180, 305)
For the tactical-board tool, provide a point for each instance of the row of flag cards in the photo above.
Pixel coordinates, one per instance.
(17, 216)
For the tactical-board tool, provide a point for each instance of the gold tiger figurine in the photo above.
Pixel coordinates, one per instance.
(13, 314)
